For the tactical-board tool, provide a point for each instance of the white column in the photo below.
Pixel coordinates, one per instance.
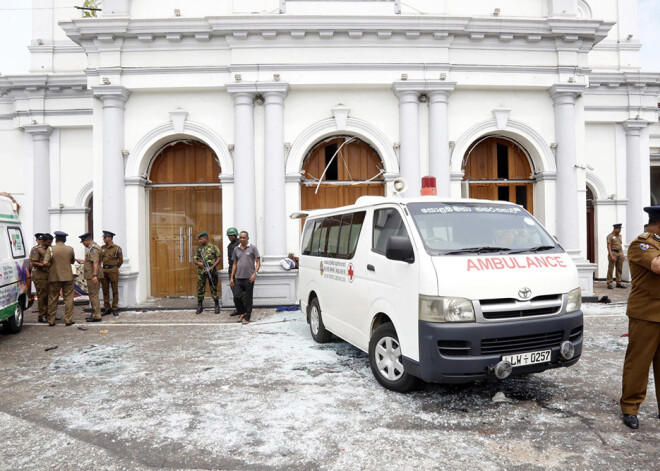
(563, 97)
(274, 236)
(40, 175)
(245, 208)
(409, 166)
(637, 178)
(113, 202)
(439, 165)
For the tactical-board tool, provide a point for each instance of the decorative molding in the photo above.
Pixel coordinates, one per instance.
(501, 117)
(68, 210)
(84, 194)
(328, 127)
(597, 186)
(545, 176)
(340, 113)
(135, 181)
(178, 118)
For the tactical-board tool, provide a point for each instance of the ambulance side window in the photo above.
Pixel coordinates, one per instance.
(387, 223)
(16, 242)
(344, 236)
(308, 237)
(356, 227)
(334, 224)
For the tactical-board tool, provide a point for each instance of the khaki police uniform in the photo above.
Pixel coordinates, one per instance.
(40, 279)
(60, 277)
(644, 324)
(614, 241)
(111, 257)
(93, 254)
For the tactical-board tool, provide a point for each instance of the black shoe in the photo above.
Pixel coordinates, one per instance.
(217, 306)
(235, 313)
(115, 312)
(630, 421)
(91, 319)
(199, 307)
(51, 325)
(42, 320)
(620, 286)
(69, 323)
(106, 312)
(609, 287)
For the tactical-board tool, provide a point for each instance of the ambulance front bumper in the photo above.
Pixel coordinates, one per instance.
(461, 353)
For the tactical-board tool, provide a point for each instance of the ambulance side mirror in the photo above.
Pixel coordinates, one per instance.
(400, 248)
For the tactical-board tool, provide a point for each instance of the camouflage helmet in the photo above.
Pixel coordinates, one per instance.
(232, 231)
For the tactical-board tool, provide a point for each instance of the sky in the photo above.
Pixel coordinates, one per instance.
(15, 35)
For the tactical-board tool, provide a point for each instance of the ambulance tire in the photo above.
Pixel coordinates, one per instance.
(14, 324)
(389, 371)
(316, 327)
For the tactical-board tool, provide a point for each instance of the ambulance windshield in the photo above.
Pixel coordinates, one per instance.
(468, 228)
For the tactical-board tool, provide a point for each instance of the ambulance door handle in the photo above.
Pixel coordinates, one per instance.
(370, 267)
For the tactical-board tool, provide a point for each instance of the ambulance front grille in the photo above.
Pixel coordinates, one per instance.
(521, 343)
(507, 308)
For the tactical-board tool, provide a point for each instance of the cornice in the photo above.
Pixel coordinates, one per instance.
(618, 79)
(92, 32)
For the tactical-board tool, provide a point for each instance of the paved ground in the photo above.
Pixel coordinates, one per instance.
(169, 389)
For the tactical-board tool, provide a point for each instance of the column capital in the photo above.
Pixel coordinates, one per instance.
(565, 93)
(407, 91)
(113, 96)
(273, 89)
(243, 93)
(438, 92)
(634, 127)
(38, 131)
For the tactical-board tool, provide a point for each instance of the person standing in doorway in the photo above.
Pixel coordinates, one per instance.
(615, 256)
(247, 263)
(232, 235)
(112, 258)
(60, 277)
(207, 259)
(93, 273)
(643, 313)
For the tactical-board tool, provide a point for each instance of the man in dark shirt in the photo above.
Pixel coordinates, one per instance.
(232, 235)
(247, 262)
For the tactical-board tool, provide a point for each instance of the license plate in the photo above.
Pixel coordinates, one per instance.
(529, 358)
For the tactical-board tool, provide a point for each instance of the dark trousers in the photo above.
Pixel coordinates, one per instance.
(643, 351)
(242, 291)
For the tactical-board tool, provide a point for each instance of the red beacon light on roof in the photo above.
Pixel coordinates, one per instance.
(428, 186)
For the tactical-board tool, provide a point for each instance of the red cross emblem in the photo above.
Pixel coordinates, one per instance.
(351, 273)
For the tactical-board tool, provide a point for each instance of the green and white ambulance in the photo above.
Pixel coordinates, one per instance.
(14, 269)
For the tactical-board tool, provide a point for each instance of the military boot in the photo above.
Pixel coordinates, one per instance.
(217, 306)
(199, 306)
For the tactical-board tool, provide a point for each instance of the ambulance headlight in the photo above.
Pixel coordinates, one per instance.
(442, 309)
(574, 300)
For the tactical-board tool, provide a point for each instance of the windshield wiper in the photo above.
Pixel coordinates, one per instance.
(539, 248)
(478, 250)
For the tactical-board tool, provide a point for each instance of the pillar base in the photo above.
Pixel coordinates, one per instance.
(586, 271)
(275, 286)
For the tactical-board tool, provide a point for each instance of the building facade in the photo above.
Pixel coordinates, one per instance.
(157, 122)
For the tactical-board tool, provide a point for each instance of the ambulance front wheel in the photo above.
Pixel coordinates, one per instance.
(385, 360)
(316, 327)
(14, 323)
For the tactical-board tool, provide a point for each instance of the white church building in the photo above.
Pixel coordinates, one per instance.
(161, 119)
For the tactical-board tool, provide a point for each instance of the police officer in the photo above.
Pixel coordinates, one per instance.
(644, 319)
(93, 273)
(112, 259)
(40, 273)
(615, 256)
(232, 235)
(60, 277)
(209, 253)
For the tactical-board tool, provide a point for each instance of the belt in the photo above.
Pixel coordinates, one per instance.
(109, 266)
(613, 250)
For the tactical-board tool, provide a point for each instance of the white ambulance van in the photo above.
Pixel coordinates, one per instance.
(446, 291)
(14, 269)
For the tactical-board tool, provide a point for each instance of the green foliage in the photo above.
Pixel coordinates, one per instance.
(91, 4)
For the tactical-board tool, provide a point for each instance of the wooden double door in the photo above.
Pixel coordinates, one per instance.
(498, 169)
(185, 199)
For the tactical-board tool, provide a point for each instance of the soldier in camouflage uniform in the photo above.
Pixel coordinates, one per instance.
(211, 254)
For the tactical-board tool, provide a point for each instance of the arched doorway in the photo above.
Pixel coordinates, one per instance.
(184, 199)
(591, 251)
(499, 169)
(346, 168)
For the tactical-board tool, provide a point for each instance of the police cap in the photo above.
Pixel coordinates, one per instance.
(203, 234)
(47, 236)
(617, 225)
(60, 234)
(654, 212)
(39, 236)
(108, 234)
(85, 236)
